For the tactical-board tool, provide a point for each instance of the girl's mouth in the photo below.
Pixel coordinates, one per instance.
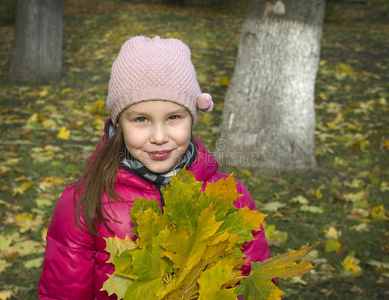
(159, 155)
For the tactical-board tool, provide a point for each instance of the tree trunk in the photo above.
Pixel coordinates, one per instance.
(269, 118)
(37, 49)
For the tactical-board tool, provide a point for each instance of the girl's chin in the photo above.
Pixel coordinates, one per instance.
(160, 167)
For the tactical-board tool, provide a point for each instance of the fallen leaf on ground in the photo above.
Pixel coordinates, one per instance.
(63, 133)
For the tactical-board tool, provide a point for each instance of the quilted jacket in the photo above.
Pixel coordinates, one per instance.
(75, 265)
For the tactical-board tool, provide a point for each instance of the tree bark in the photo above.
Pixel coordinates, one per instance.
(268, 117)
(37, 48)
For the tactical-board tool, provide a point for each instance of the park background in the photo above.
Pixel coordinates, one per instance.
(48, 132)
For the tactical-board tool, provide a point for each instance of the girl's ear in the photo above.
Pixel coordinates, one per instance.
(118, 122)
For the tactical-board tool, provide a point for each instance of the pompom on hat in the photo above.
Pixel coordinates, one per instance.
(155, 69)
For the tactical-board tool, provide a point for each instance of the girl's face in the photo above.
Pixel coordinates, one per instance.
(157, 133)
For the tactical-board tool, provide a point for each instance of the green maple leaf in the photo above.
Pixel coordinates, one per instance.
(149, 224)
(258, 285)
(123, 265)
(182, 201)
(143, 289)
(177, 247)
(116, 246)
(242, 221)
(284, 265)
(221, 196)
(149, 270)
(213, 280)
(141, 205)
(256, 288)
(186, 251)
(116, 285)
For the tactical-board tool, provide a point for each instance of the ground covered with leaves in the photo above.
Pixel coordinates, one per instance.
(49, 131)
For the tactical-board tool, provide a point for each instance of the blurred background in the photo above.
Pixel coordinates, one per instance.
(49, 128)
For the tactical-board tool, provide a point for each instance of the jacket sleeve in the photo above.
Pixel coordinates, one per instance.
(257, 249)
(68, 267)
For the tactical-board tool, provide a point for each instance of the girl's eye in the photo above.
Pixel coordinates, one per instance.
(141, 119)
(174, 117)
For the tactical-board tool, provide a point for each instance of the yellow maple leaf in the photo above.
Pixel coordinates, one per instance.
(49, 124)
(323, 96)
(146, 233)
(116, 285)
(213, 279)
(351, 264)
(100, 103)
(387, 145)
(66, 90)
(332, 233)
(4, 295)
(49, 182)
(206, 118)
(54, 180)
(27, 221)
(344, 68)
(98, 122)
(253, 218)
(379, 213)
(44, 93)
(224, 81)
(21, 189)
(34, 263)
(63, 133)
(186, 250)
(224, 188)
(177, 247)
(333, 246)
(4, 265)
(33, 118)
(354, 197)
(335, 122)
(284, 265)
(319, 194)
(360, 227)
(384, 186)
(28, 247)
(116, 245)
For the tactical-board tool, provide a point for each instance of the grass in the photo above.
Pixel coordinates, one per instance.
(352, 142)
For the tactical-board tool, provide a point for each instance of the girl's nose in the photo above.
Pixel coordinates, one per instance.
(159, 135)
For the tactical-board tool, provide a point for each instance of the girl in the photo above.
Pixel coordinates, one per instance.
(153, 99)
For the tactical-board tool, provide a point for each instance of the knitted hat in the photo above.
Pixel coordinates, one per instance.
(155, 69)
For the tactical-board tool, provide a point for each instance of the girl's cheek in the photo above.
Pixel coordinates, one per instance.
(134, 138)
(185, 139)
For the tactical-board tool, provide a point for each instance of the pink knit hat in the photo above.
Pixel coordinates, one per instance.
(155, 69)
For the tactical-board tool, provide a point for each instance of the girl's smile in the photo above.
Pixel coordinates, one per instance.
(157, 133)
(160, 155)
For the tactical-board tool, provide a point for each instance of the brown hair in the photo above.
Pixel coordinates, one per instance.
(98, 177)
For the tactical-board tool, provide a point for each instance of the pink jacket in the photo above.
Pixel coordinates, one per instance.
(75, 261)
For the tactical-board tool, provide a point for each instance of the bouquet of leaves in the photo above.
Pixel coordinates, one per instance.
(193, 249)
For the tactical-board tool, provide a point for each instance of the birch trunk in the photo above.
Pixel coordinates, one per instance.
(37, 49)
(269, 118)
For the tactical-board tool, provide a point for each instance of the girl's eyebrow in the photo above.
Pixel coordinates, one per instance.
(143, 113)
(134, 112)
(178, 111)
